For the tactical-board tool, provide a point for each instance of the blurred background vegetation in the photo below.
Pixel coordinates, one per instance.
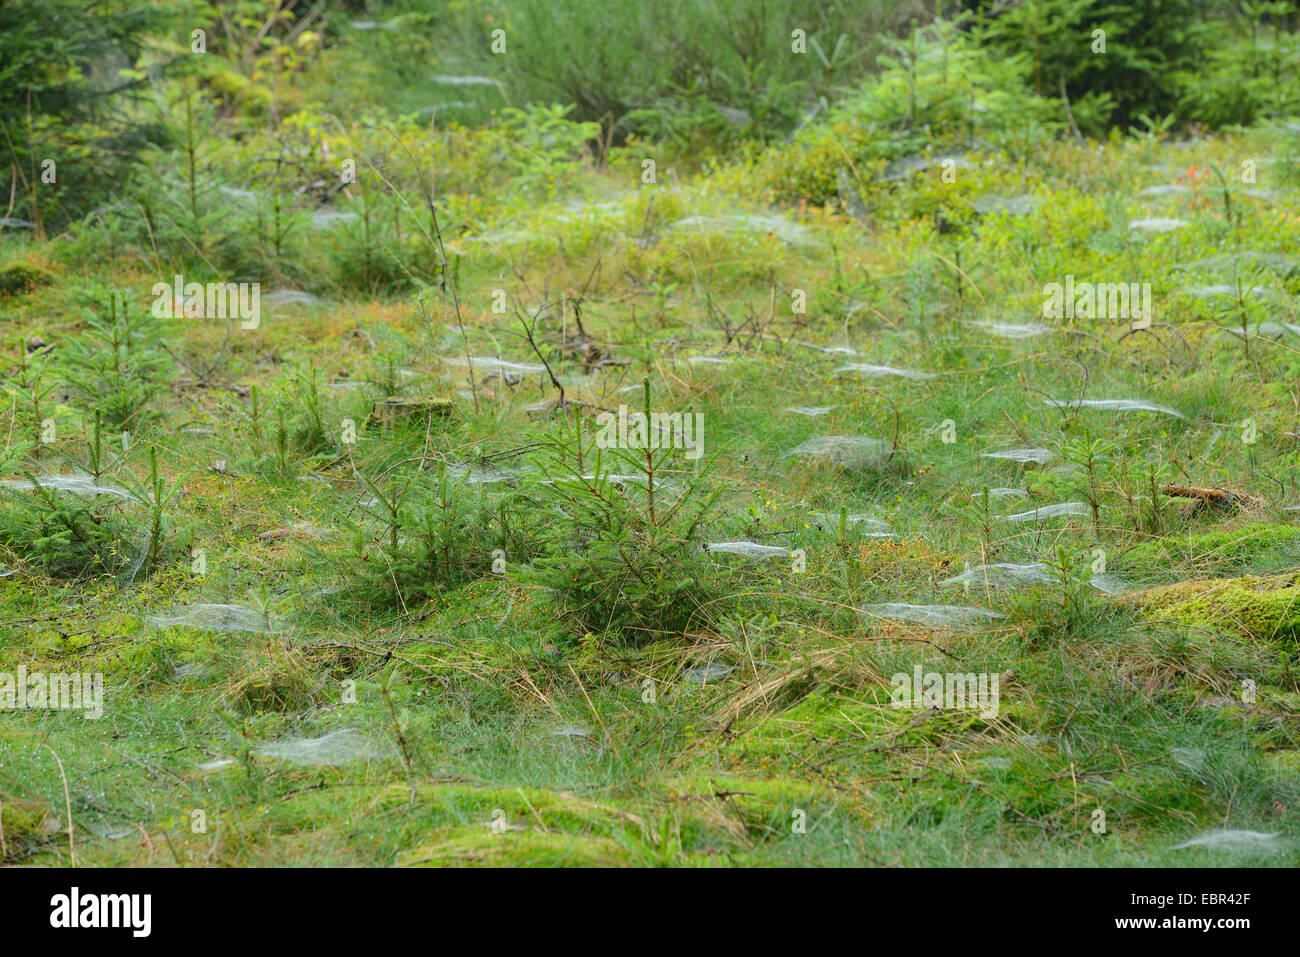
(157, 144)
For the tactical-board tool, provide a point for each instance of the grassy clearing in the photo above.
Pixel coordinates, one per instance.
(364, 588)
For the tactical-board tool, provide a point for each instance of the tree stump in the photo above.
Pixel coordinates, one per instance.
(398, 410)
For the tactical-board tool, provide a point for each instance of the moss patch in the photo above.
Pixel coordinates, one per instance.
(480, 847)
(1222, 549)
(1255, 607)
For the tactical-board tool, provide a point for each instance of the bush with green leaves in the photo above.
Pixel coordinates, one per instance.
(937, 89)
(1250, 72)
(309, 434)
(371, 255)
(543, 143)
(182, 211)
(29, 388)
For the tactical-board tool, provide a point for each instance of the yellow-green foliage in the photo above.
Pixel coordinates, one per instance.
(235, 88)
(1255, 607)
(930, 196)
(808, 169)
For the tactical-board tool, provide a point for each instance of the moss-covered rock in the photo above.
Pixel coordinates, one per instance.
(398, 410)
(1256, 607)
(20, 277)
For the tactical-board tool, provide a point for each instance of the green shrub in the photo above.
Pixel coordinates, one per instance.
(66, 535)
(1147, 43)
(425, 534)
(58, 60)
(117, 366)
(626, 553)
(1246, 77)
(937, 90)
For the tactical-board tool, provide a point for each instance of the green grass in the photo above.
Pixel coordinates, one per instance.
(491, 717)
